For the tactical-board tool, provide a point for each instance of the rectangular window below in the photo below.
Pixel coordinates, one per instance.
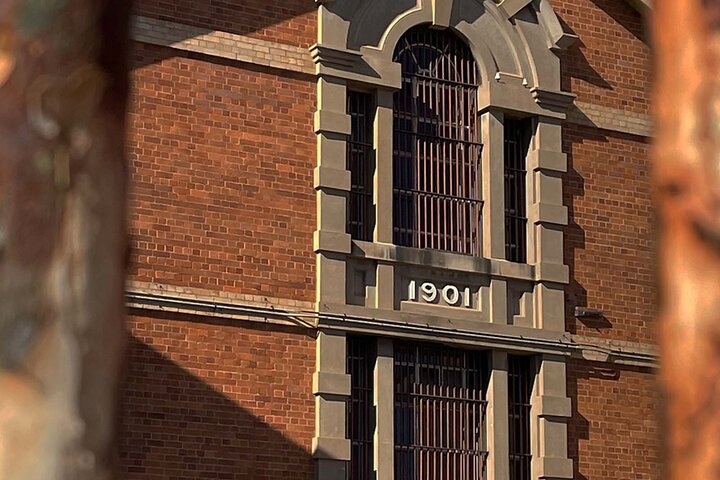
(439, 412)
(520, 381)
(360, 422)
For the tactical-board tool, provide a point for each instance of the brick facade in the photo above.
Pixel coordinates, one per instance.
(220, 197)
(613, 432)
(222, 152)
(214, 400)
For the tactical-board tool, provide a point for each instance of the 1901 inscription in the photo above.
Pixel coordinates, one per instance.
(429, 292)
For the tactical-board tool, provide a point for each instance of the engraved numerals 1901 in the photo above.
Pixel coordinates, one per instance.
(430, 293)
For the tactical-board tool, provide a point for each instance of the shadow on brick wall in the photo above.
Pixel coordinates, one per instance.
(291, 22)
(175, 426)
(596, 264)
(575, 65)
(613, 432)
(624, 14)
(573, 187)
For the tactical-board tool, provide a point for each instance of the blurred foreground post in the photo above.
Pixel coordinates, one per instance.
(63, 89)
(687, 183)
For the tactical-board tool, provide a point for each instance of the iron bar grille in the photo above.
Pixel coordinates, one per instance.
(520, 379)
(439, 413)
(436, 154)
(517, 141)
(361, 164)
(360, 425)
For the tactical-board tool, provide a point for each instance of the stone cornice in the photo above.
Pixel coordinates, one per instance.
(334, 57)
(551, 100)
(253, 308)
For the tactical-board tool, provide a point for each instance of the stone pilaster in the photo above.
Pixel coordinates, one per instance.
(331, 387)
(546, 218)
(332, 183)
(550, 410)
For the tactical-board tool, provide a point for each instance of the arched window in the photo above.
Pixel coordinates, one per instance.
(436, 152)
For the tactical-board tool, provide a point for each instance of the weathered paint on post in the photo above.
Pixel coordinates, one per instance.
(687, 189)
(63, 90)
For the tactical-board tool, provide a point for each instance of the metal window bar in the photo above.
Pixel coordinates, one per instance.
(517, 141)
(439, 413)
(436, 153)
(520, 381)
(360, 424)
(361, 164)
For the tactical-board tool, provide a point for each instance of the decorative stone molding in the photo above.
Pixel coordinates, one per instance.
(368, 286)
(549, 406)
(326, 241)
(441, 10)
(331, 179)
(553, 100)
(558, 37)
(340, 58)
(512, 7)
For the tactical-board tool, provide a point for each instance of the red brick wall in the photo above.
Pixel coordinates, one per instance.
(293, 22)
(217, 400)
(611, 64)
(614, 432)
(221, 163)
(609, 239)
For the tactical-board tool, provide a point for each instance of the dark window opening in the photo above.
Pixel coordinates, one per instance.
(361, 164)
(436, 151)
(439, 412)
(520, 381)
(517, 142)
(360, 424)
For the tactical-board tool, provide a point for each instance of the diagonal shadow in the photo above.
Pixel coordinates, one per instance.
(608, 412)
(578, 143)
(177, 426)
(291, 22)
(281, 20)
(624, 14)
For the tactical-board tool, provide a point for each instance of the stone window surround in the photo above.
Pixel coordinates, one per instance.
(520, 75)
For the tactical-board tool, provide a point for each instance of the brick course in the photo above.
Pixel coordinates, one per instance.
(293, 22)
(222, 44)
(221, 163)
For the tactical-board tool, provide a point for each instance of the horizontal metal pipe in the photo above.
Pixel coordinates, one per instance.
(310, 319)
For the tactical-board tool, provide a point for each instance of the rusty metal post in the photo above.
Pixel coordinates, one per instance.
(687, 187)
(63, 90)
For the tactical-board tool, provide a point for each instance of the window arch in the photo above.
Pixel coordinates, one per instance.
(436, 150)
